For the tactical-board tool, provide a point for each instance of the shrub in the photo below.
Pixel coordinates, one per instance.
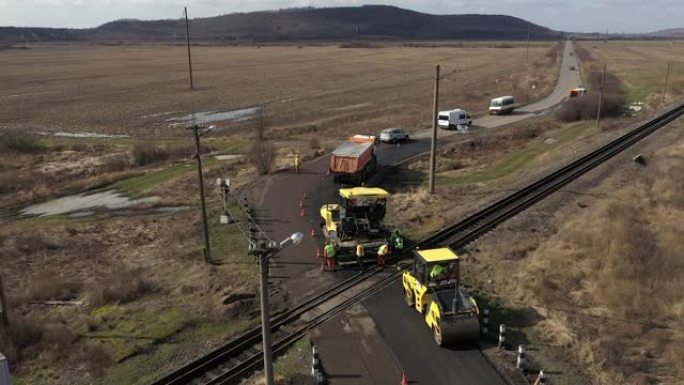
(115, 163)
(121, 287)
(262, 156)
(585, 107)
(19, 141)
(47, 287)
(314, 143)
(146, 153)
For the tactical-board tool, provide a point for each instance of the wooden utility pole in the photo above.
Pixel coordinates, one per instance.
(433, 144)
(187, 39)
(207, 247)
(3, 305)
(667, 78)
(600, 101)
(527, 53)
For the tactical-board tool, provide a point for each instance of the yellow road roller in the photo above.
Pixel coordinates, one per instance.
(432, 287)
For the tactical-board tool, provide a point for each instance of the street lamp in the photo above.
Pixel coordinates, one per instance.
(264, 254)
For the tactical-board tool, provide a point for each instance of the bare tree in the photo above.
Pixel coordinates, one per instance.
(262, 155)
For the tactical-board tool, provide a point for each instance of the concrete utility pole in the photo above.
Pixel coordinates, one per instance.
(187, 38)
(265, 321)
(3, 306)
(264, 251)
(600, 101)
(667, 78)
(198, 154)
(433, 144)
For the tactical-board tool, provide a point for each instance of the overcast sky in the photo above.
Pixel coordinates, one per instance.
(566, 15)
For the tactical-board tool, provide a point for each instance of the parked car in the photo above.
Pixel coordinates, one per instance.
(453, 119)
(394, 135)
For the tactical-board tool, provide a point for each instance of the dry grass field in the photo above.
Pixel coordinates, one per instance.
(642, 67)
(137, 297)
(590, 278)
(122, 89)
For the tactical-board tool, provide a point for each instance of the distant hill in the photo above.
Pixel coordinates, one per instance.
(375, 22)
(673, 33)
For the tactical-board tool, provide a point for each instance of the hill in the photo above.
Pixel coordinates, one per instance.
(375, 22)
(673, 33)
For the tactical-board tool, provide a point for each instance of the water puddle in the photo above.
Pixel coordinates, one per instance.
(214, 116)
(82, 135)
(227, 157)
(110, 199)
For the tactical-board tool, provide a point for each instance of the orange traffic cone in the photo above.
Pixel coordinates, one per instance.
(404, 379)
(303, 212)
(313, 233)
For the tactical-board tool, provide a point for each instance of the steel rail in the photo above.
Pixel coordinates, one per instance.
(204, 364)
(459, 234)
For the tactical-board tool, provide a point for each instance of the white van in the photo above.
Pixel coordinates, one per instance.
(501, 105)
(454, 118)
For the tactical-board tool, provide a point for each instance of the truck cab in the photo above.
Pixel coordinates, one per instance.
(432, 288)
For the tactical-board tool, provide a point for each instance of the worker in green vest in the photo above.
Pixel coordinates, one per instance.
(437, 272)
(397, 241)
(330, 255)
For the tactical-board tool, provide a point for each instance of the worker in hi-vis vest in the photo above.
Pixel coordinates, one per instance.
(360, 253)
(297, 163)
(330, 255)
(383, 251)
(397, 241)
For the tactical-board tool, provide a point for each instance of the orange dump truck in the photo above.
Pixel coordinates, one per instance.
(353, 160)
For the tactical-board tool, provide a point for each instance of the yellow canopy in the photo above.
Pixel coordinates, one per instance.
(363, 192)
(443, 254)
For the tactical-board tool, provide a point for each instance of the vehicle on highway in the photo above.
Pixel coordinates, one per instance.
(452, 119)
(432, 288)
(502, 105)
(353, 160)
(579, 91)
(357, 218)
(394, 135)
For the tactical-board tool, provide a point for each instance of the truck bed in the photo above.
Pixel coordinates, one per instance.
(351, 157)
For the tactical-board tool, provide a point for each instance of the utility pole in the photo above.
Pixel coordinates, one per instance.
(207, 248)
(3, 305)
(600, 101)
(667, 78)
(527, 53)
(187, 39)
(433, 144)
(264, 256)
(357, 33)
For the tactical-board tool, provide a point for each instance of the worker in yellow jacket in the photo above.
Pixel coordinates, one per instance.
(360, 254)
(383, 252)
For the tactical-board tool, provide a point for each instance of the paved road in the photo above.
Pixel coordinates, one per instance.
(406, 335)
(567, 79)
(411, 341)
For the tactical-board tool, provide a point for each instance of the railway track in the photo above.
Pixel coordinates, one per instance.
(242, 355)
(485, 220)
